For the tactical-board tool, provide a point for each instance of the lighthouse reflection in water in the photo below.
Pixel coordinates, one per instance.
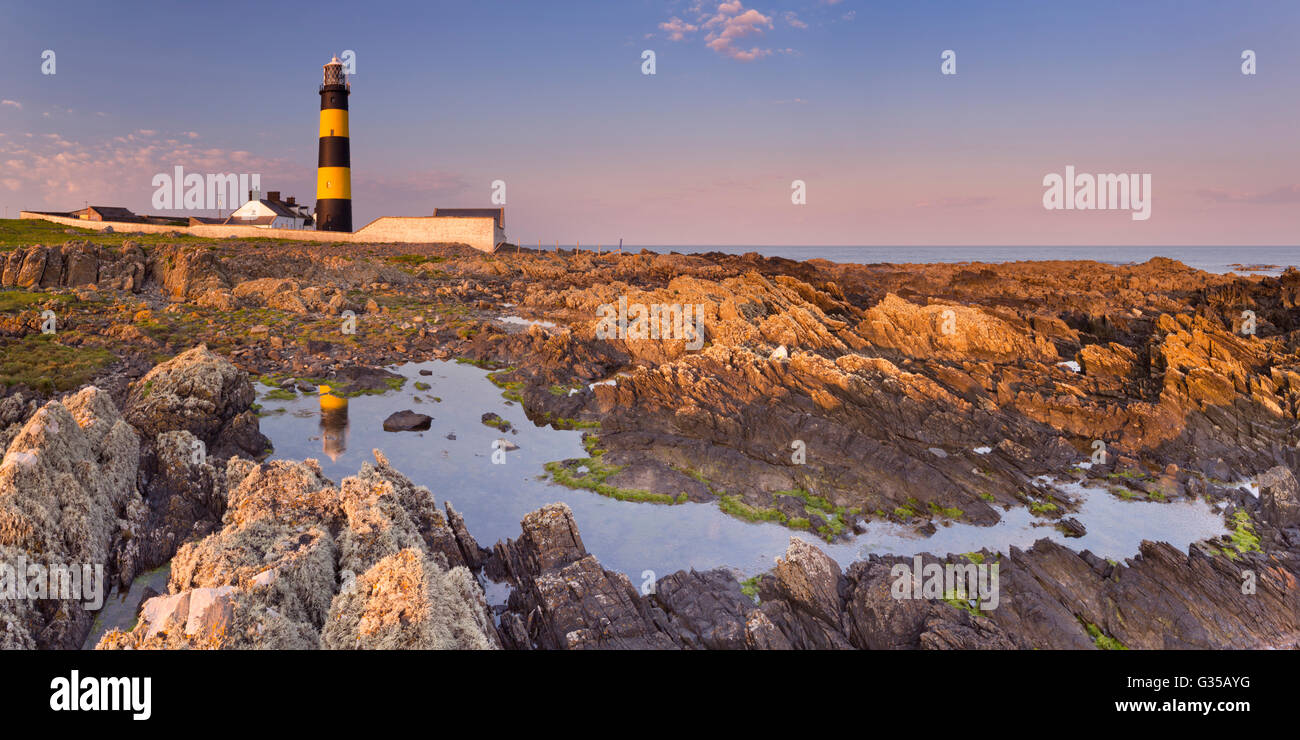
(333, 423)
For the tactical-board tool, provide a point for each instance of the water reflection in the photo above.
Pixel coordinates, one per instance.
(334, 432)
(454, 458)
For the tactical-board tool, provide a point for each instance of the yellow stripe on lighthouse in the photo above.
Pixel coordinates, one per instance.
(333, 122)
(334, 182)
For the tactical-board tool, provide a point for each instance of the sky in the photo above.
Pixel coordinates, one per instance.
(549, 97)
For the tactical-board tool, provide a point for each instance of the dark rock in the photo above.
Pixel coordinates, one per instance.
(1072, 527)
(1279, 496)
(407, 421)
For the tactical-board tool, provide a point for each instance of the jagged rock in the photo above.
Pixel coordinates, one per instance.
(408, 602)
(1279, 496)
(300, 563)
(13, 267)
(185, 496)
(82, 266)
(563, 599)
(68, 496)
(202, 393)
(1072, 527)
(33, 267)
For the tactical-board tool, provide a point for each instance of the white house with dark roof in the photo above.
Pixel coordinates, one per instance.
(272, 213)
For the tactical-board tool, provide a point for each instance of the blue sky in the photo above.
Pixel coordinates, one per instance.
(549, 97)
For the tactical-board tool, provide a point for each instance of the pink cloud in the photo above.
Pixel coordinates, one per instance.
(49, 172)
(677, 28)
(730, 24)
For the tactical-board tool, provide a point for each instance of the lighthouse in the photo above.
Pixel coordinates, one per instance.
(334, 165)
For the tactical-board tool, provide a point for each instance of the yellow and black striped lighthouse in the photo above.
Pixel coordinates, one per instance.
(334, 165)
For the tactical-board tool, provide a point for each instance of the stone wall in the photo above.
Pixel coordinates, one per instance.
(478, 232)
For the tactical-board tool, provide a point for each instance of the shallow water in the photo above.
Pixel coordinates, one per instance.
(636, 537)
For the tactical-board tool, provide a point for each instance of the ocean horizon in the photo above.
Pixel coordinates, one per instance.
(1258, 260)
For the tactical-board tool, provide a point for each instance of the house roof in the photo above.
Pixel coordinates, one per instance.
(232, 221)
(114, 211)
(498, 213)
(280, 208)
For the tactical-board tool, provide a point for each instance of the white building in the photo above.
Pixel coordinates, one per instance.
(272, 213)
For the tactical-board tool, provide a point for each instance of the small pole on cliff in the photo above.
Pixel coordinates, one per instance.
(620, 246)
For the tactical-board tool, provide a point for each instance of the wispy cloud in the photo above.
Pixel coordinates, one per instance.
(969, 201)
(677, 28)
(1284, 194)
(13, 103)
(50, 172)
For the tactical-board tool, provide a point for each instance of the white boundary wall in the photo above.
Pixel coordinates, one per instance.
(478, 232)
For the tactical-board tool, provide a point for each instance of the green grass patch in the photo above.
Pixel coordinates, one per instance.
(42, 364)
(734, 506)
(595, 478)
(1243, 536)
(18, 300)
(1101, 639)
(1042, 507)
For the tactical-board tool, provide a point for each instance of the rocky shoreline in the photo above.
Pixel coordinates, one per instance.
(920, 395)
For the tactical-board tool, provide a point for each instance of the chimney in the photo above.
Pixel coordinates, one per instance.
(273, 196)
(254, 195)
(291, 201)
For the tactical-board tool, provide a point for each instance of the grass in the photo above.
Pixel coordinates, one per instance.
(957, 600)
(411, 260)
(594, 480)
(17, 300)
(511, 388)
(1042, 507)
(1243, 536)
(835, 516)
(749, 587)
(1101, 639)
(27, 232)
(42, 364)
(279, 394)
(952, 512)
(733, 506)
(564, 422)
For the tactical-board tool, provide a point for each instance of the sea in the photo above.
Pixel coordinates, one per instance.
(1272, 260)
